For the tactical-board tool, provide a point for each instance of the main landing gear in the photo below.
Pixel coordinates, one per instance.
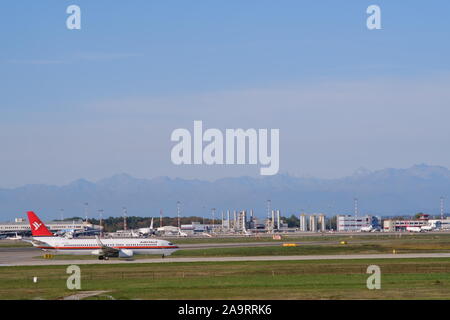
(103, 258)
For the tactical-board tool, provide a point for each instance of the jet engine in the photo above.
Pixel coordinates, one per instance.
(125, 253)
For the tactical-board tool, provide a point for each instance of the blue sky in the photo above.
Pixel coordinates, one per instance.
(104, 100)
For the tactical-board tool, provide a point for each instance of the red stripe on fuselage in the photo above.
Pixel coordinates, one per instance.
(93, 248)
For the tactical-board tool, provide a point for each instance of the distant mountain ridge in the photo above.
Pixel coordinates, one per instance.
(383, 192)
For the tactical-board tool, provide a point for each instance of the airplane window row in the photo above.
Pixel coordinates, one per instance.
(109, 245)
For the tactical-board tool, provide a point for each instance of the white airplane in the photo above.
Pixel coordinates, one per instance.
(172, 231)
(16, 237)
(366, 229)
(182, 234)
(67, 233)
(369, 228)
(135, 234)
(169, 230)
(421, 229)
(414, 229)
(104, 249)
(147, 231)
(72, 233)
(428, 228)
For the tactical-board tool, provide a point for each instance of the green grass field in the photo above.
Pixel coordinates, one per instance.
(335, 279)
(14, 244)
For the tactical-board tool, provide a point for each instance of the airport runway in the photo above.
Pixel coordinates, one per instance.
(26, 255)
(18, 255)
(225, 259)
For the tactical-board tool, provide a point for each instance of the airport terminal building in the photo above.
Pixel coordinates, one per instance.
(21, 226)
(401, 225)
(392, 225)
(352, 223)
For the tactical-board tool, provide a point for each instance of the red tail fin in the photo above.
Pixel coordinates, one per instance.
(38, 228)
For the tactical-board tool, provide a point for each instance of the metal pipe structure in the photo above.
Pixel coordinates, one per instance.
(101, 222)
(272, 223)
(213, 212)
(278, 219)
(124, 218)
(303, 223)
(322, 222)
(313, 223)
(86, 211)
(178, 215)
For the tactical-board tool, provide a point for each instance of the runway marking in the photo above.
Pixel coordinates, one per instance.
(84, 294)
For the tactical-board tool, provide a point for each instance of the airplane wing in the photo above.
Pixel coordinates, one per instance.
(37, 243)
(105, 249)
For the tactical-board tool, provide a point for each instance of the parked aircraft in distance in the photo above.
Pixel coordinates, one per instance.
(370, 229)
(16, 237)
(147, 231)
(414, 229)
(425, 228)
